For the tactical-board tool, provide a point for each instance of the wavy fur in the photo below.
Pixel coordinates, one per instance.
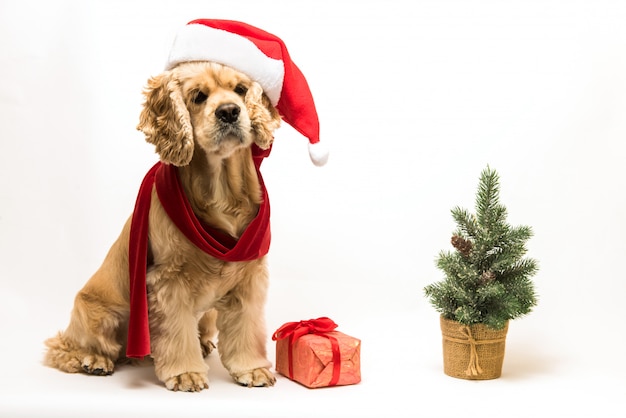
(191, 296)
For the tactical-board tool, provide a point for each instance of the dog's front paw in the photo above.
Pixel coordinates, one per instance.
(187, 382)
(255, 378)
(97, 365)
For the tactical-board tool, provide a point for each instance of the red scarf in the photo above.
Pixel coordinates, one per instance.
(253, 244)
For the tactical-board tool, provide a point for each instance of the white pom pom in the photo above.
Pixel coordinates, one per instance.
(319, 153)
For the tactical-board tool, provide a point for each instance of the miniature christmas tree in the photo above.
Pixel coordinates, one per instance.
(487, 279)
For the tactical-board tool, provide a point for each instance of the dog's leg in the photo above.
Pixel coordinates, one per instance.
(241, 326)
(178, 359)
(207, 328)
(91, 342)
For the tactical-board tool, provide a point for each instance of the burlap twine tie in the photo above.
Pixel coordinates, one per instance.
(473, 368)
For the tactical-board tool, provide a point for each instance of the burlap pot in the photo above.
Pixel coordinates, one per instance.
(472, 352)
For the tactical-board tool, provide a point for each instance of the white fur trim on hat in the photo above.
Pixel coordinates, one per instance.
(197, 42)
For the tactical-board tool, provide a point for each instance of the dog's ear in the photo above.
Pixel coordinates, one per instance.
(263, 116)
(165, 120)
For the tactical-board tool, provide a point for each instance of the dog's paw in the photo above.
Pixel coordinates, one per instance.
(260, 377)
(187, 382)
(97, 365)
(207, 347)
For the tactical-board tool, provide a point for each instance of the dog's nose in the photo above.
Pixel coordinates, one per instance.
(228, 112)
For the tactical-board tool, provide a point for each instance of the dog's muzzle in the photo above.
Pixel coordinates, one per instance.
(229, 123)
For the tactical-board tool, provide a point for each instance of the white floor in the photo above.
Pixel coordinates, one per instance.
(551, 368)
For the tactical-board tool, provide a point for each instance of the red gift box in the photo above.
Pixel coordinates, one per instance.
(314, 354)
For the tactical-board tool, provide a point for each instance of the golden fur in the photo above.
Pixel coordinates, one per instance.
(190, 294)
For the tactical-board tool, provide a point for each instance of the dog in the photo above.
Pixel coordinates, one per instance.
(203, 118)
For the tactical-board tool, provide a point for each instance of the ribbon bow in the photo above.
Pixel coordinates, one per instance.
(320, 326)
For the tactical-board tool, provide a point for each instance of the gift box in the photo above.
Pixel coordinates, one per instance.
(313, 354)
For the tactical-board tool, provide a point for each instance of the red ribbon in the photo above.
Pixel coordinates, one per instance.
(320, 326)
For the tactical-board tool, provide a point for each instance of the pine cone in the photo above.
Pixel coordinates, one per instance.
(487, 277)
(463, 245)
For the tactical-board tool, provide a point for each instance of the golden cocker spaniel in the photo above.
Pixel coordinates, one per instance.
(205, 120)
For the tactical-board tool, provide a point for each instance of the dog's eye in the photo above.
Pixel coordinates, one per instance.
(241, 90)
(199, 97)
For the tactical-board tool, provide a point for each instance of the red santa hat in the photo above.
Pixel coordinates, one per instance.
(264, 58)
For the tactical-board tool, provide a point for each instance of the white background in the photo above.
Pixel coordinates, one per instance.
(415, 99)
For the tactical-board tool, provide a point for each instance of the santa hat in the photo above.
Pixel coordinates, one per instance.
(264, 58)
